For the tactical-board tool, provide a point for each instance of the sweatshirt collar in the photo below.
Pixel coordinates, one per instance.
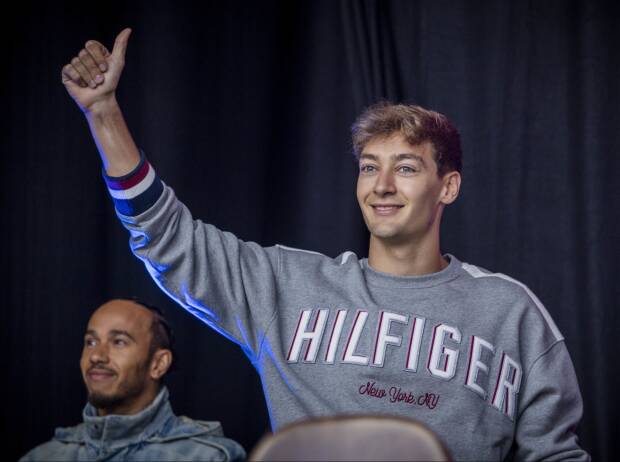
(118, 430)
(377, 278)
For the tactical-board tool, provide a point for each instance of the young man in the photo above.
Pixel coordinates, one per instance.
(408, 331)
(127, 351)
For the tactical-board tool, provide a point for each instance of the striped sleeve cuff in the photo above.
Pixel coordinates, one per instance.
(137, 191)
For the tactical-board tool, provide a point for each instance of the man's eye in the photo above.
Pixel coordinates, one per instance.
(406, 169)
(120, 342)
(89, 342)
(367, 168)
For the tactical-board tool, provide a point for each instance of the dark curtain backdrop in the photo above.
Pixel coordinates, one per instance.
(244, 108)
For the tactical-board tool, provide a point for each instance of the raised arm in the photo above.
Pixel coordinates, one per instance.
(91, 78)
(227, 283)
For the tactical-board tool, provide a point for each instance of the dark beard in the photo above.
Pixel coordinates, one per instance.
(101, 401)
(125, 394)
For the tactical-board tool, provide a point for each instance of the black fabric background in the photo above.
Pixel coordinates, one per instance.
(244, 108)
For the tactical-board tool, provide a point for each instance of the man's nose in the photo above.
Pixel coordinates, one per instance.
(99, 354)
(385, 183)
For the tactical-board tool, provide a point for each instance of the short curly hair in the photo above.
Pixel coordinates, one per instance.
(417, 125)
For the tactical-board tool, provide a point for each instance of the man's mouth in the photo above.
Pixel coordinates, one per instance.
(386, 209)
(99, 374)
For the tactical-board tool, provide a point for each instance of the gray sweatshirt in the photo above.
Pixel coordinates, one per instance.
(472, 354)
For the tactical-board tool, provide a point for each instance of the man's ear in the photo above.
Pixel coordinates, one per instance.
(160, 363)
(451, 187)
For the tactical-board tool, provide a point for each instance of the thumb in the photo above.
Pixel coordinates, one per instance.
(120, 44)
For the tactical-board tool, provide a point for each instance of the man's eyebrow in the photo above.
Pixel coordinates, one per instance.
(409, 156)
(90, 332)
(116, 332)
(368, 156)
(396, 157)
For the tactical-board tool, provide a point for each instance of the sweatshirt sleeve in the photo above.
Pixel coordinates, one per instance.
(227, 283)
(550, 410)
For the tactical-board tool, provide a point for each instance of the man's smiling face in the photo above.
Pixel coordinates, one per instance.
(115, 357)
(398, 189)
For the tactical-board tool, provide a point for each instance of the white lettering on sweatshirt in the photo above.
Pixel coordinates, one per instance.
(443, 351)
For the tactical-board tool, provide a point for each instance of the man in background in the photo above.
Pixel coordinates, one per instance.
(128, 349)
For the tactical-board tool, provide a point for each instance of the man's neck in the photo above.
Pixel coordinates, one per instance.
(408, 259)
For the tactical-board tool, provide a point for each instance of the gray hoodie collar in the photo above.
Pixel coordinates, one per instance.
(122, 429)
(156, 423)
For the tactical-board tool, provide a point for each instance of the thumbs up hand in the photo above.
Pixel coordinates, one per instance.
(91, 78)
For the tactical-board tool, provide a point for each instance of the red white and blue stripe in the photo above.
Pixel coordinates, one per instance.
(137, 191)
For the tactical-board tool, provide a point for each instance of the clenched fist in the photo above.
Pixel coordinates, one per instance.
(92, 76)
